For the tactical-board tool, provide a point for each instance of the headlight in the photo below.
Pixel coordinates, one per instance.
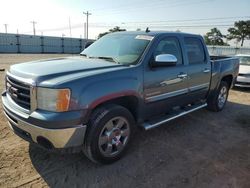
(56, 100)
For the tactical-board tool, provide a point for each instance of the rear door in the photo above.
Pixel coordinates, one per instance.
(199, 68)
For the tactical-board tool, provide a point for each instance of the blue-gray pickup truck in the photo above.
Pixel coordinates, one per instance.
(122, 81)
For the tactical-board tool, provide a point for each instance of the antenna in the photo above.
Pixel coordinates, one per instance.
(147, 30)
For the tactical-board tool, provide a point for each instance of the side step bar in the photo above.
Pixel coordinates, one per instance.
(167, 118)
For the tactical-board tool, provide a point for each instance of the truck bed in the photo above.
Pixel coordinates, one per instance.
(221, 66)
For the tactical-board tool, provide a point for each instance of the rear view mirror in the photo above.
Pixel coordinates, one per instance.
(165, 60)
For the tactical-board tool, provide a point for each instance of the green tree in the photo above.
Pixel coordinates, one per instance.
(240, 31)
(115, 29)
(215, 37)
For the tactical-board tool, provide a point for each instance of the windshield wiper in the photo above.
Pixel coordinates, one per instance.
(106, 58)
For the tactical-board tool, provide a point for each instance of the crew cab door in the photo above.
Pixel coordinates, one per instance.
(199, 68)
(165, 86)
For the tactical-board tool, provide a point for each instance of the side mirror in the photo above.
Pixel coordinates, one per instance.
(165, 60)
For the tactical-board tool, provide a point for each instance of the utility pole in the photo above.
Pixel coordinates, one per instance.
(34, 27)
(70, 33)
(6, 28)
(87, 30)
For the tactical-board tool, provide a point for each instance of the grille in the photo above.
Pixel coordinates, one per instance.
(19, 92)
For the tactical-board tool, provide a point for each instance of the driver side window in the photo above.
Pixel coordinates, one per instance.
(169, 45)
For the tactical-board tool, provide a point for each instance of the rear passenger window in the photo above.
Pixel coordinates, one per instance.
(169, 45)
(195, 50)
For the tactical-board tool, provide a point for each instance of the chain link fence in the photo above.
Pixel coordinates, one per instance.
(14, 43)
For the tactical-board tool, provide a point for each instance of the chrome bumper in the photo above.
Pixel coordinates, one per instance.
(59, 138)
(237, 84)
(242, 81)
(65, 137)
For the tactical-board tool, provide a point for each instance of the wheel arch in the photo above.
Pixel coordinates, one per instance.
(228, 79)
(130, 102)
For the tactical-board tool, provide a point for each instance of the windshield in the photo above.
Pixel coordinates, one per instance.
(122, 48)
(245, 61)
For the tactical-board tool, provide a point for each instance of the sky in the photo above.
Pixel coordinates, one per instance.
(55, 17)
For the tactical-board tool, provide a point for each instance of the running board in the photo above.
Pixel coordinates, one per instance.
(169, 117)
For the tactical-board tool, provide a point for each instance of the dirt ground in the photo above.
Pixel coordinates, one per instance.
(202, 149)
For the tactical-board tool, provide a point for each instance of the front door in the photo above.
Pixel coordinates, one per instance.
(165, 87)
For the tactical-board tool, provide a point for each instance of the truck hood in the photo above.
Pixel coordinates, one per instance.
(51, 68)
(244, 69)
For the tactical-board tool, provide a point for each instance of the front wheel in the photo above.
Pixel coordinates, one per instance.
(218, 101)
(109, 132)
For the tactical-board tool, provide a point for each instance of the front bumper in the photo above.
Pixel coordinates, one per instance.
(242, 81)
(66, 137)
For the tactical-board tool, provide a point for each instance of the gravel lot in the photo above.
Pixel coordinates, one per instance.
(202, 149)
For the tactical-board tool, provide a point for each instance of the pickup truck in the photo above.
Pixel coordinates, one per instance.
(123, 81)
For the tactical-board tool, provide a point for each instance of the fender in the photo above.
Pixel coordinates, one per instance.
(109, 97)
(101, 91)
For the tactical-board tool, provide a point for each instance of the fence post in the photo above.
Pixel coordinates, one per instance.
(18, 43)
(42, 43)
(80, 45)
(213, 49)
(236, 50)
(62, 45)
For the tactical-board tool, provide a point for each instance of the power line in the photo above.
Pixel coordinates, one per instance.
(188, 20)
(137, 25)
(194, 21)
(211, 22)
(155, 26)
(173, 26)
(160, 23)
(155, 22)
(129, 5)
(155, 5)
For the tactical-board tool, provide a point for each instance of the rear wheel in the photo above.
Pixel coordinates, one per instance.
(218, 101)
(109, 132)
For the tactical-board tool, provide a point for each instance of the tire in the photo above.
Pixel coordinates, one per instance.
(108, 135)
(219, 99)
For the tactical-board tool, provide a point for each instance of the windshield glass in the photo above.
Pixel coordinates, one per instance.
(122, 48)
(245, 61)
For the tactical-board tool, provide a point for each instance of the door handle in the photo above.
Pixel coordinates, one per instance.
(206, 70)
(182, 75)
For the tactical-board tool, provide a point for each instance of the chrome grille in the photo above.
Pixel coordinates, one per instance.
(18, 91)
